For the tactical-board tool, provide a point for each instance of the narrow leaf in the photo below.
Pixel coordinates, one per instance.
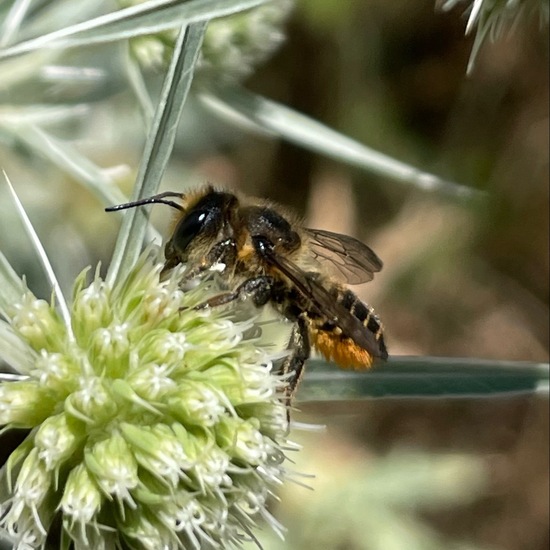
(279, 120)
(428, 377)
(69, 159)
(42, 115)
(146, 18)
(13, 351)
(42, 256)
(13, 20)
(11, 286)
(137, 84)
(9, 377)
(159, 145)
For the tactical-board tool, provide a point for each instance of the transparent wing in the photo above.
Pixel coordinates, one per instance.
(324, 303)
(348, 259)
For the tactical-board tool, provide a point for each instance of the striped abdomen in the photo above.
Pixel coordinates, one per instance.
(328, 338)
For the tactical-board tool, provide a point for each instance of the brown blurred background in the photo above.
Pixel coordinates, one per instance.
(459, 279)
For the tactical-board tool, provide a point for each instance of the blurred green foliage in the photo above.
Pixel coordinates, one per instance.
(377, 503)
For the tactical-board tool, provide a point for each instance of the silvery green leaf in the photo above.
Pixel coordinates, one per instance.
(159, 145)
(69, 159)
(12, 22)
(424, 377)
(43, 258)
(16, 353)
(146, 18)
(137, 83)
(270, 117)
(11, 286)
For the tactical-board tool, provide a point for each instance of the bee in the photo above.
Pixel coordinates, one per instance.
(266, 255)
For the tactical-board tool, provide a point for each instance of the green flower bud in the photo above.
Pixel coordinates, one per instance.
(114, 467)
(37, 323)
(235, 45)
(164, 346)
(152, 381)
(92, 403)
(57, 440)
(148, 531)
(33, 481)
(110, 346)
(273, 418)
(91, 310)
(54, 370)
(82, 499)
(159, 303)
(23, 404)
(158, 450)
(242, 440)
(211, 470)
(20, 514)
(196, 403)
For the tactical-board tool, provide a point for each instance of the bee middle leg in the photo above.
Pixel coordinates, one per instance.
(259, 289)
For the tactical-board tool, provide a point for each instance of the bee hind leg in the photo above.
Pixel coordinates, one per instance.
(294, 363)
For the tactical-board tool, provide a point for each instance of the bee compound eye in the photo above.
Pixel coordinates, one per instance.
(189, 228)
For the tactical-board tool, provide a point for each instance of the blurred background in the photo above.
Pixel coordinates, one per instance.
(461, 278)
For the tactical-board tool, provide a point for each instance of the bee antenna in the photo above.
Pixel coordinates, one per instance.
(155, 199)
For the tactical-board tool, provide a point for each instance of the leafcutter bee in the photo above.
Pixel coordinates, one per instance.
(265, 254)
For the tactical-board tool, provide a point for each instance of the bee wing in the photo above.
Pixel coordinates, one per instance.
(324, 303)
(348, 259)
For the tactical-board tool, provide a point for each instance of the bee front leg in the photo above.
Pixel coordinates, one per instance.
(222, 256)
(258, 289)
(294, 363)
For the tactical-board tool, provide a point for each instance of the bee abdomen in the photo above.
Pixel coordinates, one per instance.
(366, 314)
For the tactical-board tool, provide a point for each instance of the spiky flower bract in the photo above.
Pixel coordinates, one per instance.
(491, 18)
(233, 46)
(151, 425)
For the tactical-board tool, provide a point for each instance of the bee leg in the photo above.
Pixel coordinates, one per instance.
(221, 255)
(294, 363)
(259, 289)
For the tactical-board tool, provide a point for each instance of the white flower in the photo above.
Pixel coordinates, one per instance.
(151, 425)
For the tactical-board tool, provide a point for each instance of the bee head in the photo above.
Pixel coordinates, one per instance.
(205, 219)
(205, 222)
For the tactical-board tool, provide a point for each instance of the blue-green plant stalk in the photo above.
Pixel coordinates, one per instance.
(151, 424)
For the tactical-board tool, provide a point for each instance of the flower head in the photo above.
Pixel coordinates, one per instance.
(233, 46)
(152, 425)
